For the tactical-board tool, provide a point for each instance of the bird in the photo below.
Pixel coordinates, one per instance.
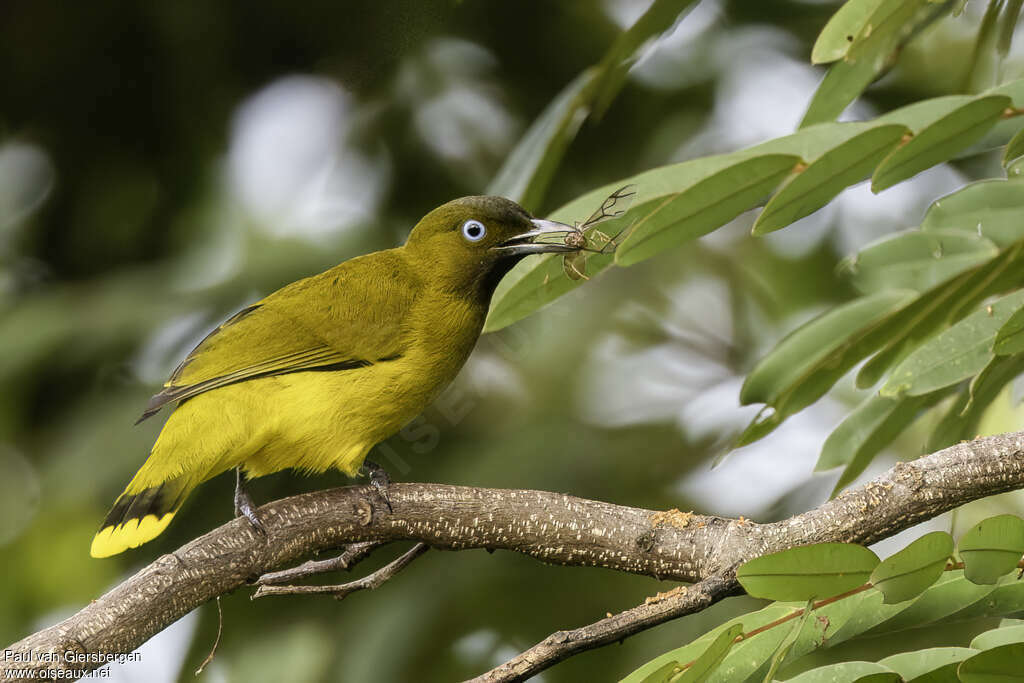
(316, 374)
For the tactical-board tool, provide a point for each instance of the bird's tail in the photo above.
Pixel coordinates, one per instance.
(140, 514)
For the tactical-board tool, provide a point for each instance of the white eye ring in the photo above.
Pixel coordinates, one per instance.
(473, 230)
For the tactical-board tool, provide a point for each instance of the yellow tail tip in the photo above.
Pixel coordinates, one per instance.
(112, 540)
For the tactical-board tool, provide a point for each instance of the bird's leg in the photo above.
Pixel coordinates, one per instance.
(244, 506)
(379, 480)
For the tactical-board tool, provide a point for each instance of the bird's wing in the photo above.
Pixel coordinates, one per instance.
(319, 323)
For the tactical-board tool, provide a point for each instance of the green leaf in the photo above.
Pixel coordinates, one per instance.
(940, 306)
(839, 33)
(846, 671)
(1010, 339)
(999, 665)
(992, 548)
(785, 648)
(911, 571)
(820, 570)
(940, 141)
(845, 164)
(664, 674)
(867, 430)
(916, 259)
(704, 206)
(963, 417)
(1006, 598)
(936, 660)
(955, 354)
(1014, 148)
(982, 42)
(989, 208)
(614, 67)
(889, 25)
(1002, 635)
(695, 648)
(822, 341)
(527, 171)
(1006, 28)
(712, 657)
(1015, 170)
(808, 361)
(949, 595)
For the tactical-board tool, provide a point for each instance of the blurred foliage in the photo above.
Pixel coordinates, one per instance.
(163, 164)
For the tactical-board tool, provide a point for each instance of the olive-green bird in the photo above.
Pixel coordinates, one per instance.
(316, 374)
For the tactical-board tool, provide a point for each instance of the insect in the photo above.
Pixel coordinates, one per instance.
(575, 263)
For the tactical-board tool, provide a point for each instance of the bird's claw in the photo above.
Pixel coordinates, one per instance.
(379, 480)
(244, 505)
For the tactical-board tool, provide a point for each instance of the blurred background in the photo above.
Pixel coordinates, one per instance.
(162, 165)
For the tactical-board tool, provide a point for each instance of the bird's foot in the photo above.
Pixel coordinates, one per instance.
(244, 505)
(379, 480)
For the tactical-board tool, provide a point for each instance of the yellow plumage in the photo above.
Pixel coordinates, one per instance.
(316, 374)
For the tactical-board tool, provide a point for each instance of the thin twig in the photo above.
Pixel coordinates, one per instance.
(216, 641)
(564, 644)
(343, 590)
(353, 554)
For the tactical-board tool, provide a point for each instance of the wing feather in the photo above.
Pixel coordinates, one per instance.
(313, 324)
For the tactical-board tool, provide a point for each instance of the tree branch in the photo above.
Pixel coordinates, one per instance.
(552, 527)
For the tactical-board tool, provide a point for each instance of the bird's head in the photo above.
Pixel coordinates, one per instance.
(469, 244)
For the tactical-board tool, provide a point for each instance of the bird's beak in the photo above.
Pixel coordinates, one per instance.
(546, 237)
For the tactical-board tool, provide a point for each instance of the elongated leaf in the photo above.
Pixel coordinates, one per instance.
(941, 306)
(1010, 339)
(825, 177)
(695, 648)
(705, 206)
(808, 361)
(750, 657)
(659, 17)
(992, 548)
(819, 570)
(949, 595)
(664, 674)
(989, 208)
(785, 648)
(916, 259)
(982, 43)
(1014, 148)
(914, 665)
(890, 24)
(807, 347)
(999, 665)
(912, 570)
(867, 430)
(846, 671)
(1007, 26)
(961, 421)
(537, 281)
(1003, 635)
(527, 172)
(842, 29)
(940, 141)
(704, 665)
(955, 354)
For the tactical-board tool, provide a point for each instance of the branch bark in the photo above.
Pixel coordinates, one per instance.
(551, 527)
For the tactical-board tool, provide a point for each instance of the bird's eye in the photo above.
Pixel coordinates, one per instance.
(473, 230)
